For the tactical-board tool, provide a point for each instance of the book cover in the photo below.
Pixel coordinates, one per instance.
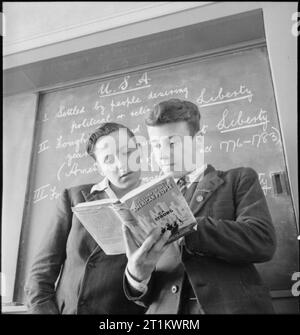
(160, 203)
(156, 203)
(103, 224)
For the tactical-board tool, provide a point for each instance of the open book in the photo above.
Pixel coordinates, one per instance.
(156, 203)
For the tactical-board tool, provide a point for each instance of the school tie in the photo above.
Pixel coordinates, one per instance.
(182, 183)
(188, 301)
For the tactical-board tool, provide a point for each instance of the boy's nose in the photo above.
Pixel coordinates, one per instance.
(122, 164)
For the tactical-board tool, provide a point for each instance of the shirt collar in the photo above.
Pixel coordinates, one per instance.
(195, 174)
(104, 186)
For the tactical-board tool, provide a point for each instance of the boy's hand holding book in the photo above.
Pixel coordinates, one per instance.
(130, 222)
(143, 259)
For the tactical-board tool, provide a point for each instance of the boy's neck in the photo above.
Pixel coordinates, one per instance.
(120, 192)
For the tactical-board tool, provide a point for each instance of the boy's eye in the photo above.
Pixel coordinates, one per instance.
(128, 151)
(174, 141)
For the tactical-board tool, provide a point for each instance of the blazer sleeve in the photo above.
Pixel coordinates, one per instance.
(249, 238)
(40, 284)
(143, 299)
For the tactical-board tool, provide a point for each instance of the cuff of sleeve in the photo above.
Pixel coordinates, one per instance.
(46, 307)
(137, 285)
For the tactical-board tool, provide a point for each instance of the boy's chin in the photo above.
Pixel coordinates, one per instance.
(131, 180)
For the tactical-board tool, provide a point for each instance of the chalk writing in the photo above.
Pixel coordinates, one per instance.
(124, 83)
(105, 90)
(75, 155)
(243, 92)
(229, 122)
(70, 111)
(137, 129)
(45, 117)
(45, 192)
(40, 193)
(75, 143)
(141, 111)
(127, 102)
(98, 107)
(86, 123)
(233, 144)
(43, 146)
(174, 91)
(203, 129)
(255, 140)
(74, 170)
(264, 183)
(143, 80)
(54, 195)
(130, 90)
(206, 149)
(273, 135)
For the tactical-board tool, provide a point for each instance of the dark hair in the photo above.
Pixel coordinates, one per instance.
(104, 130)
(175, 110)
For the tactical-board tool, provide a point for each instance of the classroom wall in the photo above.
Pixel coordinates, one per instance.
(25, 48)
(282, 46)
(18, 118)
(68, 20)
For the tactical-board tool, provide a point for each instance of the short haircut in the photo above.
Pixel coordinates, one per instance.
(175, 110)
(104, 130)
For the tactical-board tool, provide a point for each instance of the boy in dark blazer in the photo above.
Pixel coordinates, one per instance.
(211, 270)
(88, 280)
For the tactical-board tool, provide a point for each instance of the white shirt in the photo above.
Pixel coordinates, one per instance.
(104, 186)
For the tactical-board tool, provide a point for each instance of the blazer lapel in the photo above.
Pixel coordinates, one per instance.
(204, 189)
(96, 195)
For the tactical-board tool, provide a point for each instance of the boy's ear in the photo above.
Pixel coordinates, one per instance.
(199, 137)
(153, 163)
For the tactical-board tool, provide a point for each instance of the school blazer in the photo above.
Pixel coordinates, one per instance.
(234, 231)
(90, 282)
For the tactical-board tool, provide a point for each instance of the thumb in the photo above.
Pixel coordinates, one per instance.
(130, 243)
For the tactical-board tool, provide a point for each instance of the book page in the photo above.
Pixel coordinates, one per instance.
(95, 203)
(104, 225)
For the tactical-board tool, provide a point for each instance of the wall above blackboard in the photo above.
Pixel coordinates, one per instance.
(200, 38)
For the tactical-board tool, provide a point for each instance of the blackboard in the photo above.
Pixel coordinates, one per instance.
(235, 96)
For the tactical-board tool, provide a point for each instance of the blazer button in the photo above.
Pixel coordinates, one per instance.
(199, 198)
(174, 289)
